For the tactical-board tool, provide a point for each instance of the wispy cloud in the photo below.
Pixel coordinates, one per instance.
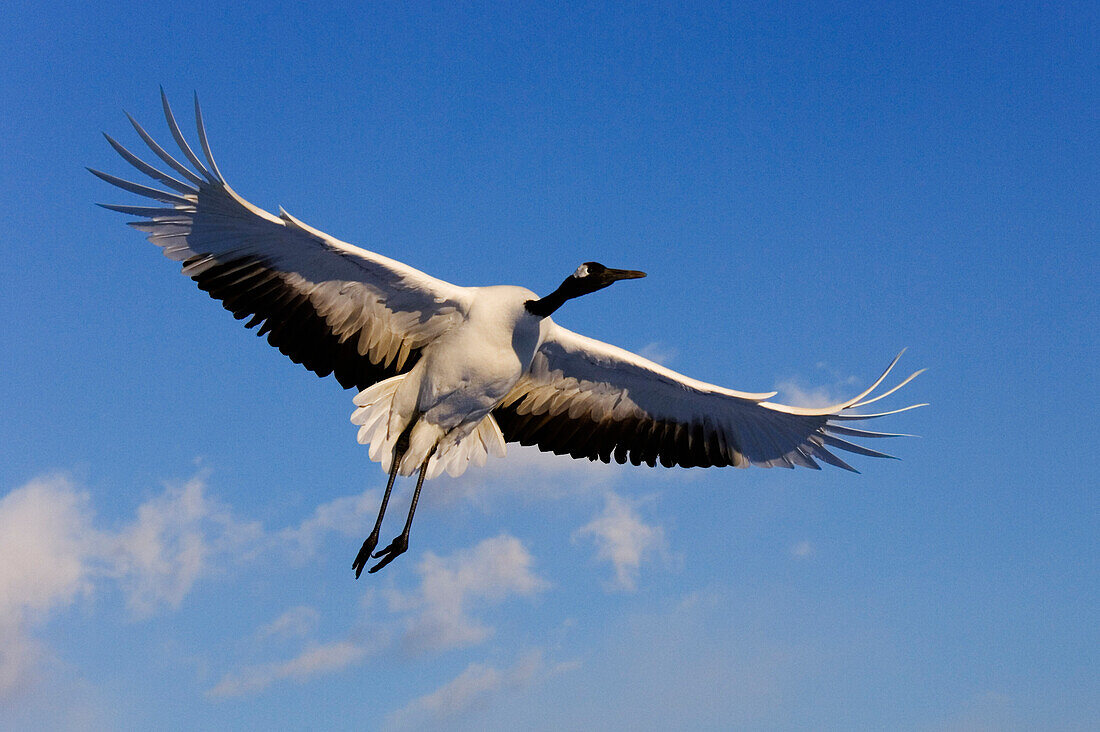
(346, 516)
(837, 388)
(295, 622)
(46, 542)
(314, 661)
(529, 473)
(53, 553)
(475, 688)
(434, 617)
(698, 661)
(658, 352)
(158, 558)
(623, 539)
(802, 550)
(796, 394)
(488, 573)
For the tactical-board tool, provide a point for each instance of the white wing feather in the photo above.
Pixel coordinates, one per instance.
(323, 302)
(590, 399)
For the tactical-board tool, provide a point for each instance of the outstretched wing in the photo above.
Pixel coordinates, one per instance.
(589, 399)
(331, 306)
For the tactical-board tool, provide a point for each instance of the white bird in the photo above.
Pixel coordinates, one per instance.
(447, 374)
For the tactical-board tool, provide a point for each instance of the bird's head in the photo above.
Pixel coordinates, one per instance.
(589, 277)
(592, 276)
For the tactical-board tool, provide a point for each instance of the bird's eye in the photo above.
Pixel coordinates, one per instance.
(582, 271)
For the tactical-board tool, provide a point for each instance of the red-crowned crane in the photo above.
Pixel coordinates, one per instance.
(446, 375)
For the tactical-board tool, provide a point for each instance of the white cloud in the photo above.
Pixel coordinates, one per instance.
(529, 473)
(158, 558)
(347, 516)
(710, 659)
(20, 654)
(490, 572)
(624, 539)
(840, 388)
(52, 553)
(316, 660)
(476, 687)
(55, 553)
(295, 622)
(792, 392)
(658, 352)
(526, 475)
(456, 696)
(802, 550)
(46, 542)
(433, 617)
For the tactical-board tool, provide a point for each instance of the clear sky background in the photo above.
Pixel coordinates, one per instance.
(811, 188)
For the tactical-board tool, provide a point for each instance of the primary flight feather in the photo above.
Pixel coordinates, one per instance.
(447, 374)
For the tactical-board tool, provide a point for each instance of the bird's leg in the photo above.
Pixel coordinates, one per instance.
(399, 545)
(372, 541)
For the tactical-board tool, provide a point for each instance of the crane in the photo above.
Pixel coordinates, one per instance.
(447, 375)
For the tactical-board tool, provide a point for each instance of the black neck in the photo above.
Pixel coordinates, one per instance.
(547, 305)
(591, 276)
(567, 290)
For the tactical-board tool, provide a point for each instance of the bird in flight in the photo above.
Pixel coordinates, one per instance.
(446, 375)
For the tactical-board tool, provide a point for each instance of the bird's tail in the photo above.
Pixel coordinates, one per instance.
(450, 451)
(455, 455)
(375, 404)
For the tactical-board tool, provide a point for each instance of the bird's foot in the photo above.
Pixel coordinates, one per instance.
(396, 548)
(364, 554)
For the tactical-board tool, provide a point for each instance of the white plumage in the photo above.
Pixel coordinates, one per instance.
(447, 374)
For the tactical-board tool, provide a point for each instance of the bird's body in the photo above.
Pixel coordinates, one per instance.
(446, 375)
(460, 378)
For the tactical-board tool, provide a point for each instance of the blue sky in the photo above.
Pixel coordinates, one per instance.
(811, 188)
